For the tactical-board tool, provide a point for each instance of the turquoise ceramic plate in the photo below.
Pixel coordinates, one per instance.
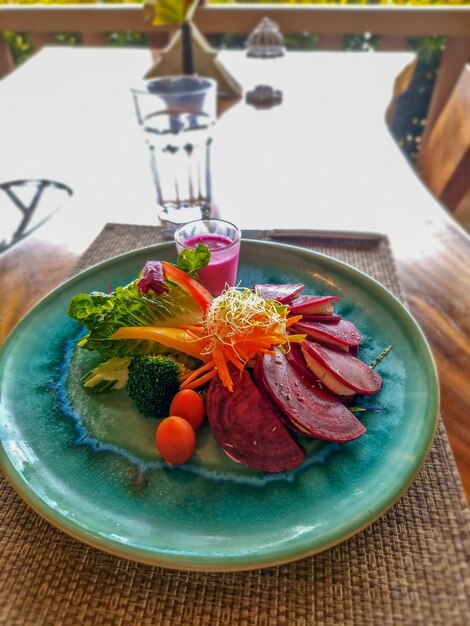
(89, 465)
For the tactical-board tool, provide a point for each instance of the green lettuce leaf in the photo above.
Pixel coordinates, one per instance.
(102, 314)
(192, 260)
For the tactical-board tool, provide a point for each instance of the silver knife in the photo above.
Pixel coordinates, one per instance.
(318, 235)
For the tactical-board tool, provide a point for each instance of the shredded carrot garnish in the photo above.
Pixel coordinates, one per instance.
(293, 320)
(232, 357)
(240, 325)
(202, 380)
(222, 369)
(200, 370)
(192, 335)
(266, 339)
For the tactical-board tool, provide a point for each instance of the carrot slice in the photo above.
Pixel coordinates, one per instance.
(202, 380)
(222, 369)
(196, 373)
(232, 357)
(293, 320)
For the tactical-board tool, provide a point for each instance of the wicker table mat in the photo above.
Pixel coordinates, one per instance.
(410, 567)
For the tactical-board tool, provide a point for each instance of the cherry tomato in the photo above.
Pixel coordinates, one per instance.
(189, 405)
(176, 440)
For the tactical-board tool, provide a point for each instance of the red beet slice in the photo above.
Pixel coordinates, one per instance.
(315, 413)
(247, 429)
(342, 335)
(340, 369)
(297, 360)
(259, 382)
(282, 293)
(332, 318)
(312, 305)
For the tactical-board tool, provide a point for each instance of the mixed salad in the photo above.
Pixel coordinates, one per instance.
(267, 366)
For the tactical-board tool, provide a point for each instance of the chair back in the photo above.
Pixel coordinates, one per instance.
(444, 161)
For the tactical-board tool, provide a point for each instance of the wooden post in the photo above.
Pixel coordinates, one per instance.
(445, 160)
(6, 60)
(454, 58)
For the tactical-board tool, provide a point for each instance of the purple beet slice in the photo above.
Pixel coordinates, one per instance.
(343, 335)
(297, 360)
(315, 413)
(282, 293)
(248, 430)
(312, 305)
(337, 369)
(332, 318)
(259, 382)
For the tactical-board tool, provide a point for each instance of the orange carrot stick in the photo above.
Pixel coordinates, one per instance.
(198, 382)
(232, 357)
(268, 340)
(200, 370)
(222, 369)
(293, 320)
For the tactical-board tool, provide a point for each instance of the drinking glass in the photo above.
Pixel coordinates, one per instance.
(177, 115)
(223, 240)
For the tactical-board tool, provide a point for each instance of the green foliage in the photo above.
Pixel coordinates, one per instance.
(361, 43)
(190, 261)
(102, 314)
(237, 41)
(128, 39)
(152, 383)
(229, 41)
(68, 39)
(20, 46)
(412, 106)
(301, 41)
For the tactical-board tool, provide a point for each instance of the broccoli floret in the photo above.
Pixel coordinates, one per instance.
(152, 383)
(112, 374)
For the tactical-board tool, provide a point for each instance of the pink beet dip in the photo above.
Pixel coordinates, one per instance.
(223, 241)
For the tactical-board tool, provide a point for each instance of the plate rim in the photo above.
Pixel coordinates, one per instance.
(195, 562)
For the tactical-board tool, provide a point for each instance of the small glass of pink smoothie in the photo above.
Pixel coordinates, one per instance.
(223, 240)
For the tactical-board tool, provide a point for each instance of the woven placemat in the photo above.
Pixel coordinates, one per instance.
(410, 567)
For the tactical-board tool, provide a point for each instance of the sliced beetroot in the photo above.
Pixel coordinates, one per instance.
(325, 378)
(259, 381)
(315, 413)
(337, 369)
(247, 429)
(342, 335)
(297, 360)
(331, 318)
(308, 305)
(282, 293)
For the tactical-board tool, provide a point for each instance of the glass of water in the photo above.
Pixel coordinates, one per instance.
(177, 115)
